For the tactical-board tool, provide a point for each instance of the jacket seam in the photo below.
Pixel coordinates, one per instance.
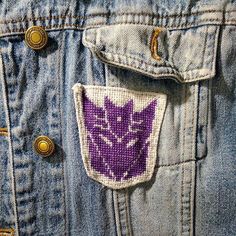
(80, 27)
(61, 135)
(176, 164)
(152, 65)
(116, 14)
(128, 225)
(182, 156)
(11, 155)
(173, 71)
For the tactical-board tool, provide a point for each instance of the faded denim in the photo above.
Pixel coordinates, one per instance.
(107, 43)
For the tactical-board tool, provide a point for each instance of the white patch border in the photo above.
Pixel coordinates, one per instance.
(152, 153)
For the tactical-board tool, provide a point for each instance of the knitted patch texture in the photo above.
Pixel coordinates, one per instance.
(119, 130)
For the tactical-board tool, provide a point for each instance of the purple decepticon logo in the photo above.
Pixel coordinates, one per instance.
(118, 137)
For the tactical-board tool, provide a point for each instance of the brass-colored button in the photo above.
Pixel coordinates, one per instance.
(36, 37)
(44, 146)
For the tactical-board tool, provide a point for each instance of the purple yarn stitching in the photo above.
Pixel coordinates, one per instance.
(118, 137)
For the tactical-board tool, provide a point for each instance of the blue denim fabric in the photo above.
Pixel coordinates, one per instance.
(107, 43)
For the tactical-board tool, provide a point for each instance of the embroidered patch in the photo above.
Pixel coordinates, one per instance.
(119, 131)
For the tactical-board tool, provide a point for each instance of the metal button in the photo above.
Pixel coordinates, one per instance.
(36, 37)
(44, 146)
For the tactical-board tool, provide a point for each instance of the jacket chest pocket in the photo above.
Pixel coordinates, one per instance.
(153, 110)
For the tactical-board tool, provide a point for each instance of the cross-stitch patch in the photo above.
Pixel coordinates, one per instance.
(119, 130)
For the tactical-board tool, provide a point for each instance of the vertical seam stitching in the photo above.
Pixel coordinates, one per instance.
(183, 146)
(209, 83)
(116, 209)
(13, 181)
(190, 198)
(63, 166)
(205, 43)
(183, 189)
(192, 147)
(118, 213)
(127, 212)
(216, 40)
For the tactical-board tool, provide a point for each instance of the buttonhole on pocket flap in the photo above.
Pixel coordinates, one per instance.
(154, 44)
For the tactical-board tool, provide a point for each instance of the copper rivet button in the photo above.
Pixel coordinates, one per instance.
(44, 146)
(36, 37)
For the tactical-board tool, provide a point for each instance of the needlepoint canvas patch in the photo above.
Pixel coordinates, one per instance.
(119, 130)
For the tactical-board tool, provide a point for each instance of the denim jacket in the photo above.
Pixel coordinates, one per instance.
(136, 101)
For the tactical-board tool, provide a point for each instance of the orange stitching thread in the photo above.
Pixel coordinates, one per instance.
(4, 232)
(154, 44)
(3, 132)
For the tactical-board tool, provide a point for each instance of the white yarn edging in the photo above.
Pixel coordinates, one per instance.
(154, 137)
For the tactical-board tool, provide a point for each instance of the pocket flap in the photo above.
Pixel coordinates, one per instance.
(186, 55)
